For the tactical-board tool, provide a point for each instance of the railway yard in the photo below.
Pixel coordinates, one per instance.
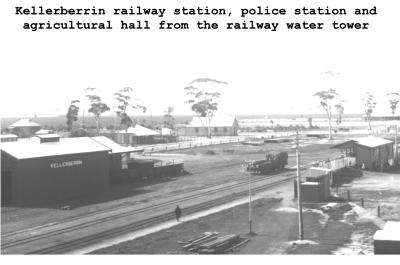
(214, 177)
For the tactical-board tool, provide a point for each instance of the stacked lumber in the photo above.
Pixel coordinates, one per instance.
(212, 243)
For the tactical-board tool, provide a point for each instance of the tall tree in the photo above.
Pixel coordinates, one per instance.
(204, 102)
(310, 125)
(326, 97)
(169, 119)
(125, 99)
(97, 107)
(72, 114)
(340, 110)
(393, 101)
(369, 106)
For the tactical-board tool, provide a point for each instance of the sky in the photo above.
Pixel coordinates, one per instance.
(267, 72)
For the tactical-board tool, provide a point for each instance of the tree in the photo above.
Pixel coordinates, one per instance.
(340, 110)
(393, 101)
(326, 97)
(72, 114)
(169, 119)
(369, 106)
(124, 100)
(97, 107)
(202, 101)
(310, 125)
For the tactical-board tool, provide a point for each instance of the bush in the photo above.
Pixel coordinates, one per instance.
(211, 152)
(228, 151)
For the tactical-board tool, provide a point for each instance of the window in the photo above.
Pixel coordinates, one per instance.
(196, 130)
(225, 129)
(215, 129)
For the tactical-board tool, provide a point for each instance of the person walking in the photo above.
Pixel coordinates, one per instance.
(178, 213)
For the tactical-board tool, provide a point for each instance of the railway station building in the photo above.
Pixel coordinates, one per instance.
(370, 152)
(48, 169)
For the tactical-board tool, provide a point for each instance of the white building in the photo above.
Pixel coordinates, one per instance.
(219, 125)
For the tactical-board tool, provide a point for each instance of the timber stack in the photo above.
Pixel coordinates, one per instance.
(212, 243)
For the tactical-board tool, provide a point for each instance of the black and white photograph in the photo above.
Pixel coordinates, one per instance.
(200, 128)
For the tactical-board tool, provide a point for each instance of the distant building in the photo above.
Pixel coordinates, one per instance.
(44, 131)
(24, 127)
(382, 118)
(370, 152)
(136, 135)
(8, 138)
(220, 126)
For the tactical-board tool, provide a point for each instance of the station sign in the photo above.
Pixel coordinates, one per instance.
(66, 164)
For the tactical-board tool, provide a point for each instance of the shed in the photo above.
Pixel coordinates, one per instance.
(312, 192)
(322, 176)
(387, 241)
(35, 171)
(370, 152)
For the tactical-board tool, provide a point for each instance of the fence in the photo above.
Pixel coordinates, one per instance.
(338, 163)
(191, 144)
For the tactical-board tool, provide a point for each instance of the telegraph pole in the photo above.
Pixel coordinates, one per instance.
(250, 221)
(250, 201)
(301, 234)
(395, 146)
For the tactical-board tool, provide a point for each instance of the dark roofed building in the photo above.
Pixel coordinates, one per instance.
(370, 152)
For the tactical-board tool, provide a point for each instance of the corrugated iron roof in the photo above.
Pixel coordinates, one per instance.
(114, 147)
(43, 131)
(50, 135)
(218, 121)
(370, 141)
(24, 123)
(139, 130)
(8, 136)
(29, 148)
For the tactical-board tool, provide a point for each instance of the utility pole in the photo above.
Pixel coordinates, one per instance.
(395, 145)
(301, 234)
(250, 209)
(247, 164)
(250, 221)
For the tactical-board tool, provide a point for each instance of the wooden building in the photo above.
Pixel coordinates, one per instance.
(137, 135)
(24, 127)
(219, 125)
(370, 152)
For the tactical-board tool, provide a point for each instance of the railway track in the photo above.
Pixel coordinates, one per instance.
(111, 233)
(61, 248)
(25, 237)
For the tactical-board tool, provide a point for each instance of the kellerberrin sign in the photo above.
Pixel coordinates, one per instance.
(66, 164)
